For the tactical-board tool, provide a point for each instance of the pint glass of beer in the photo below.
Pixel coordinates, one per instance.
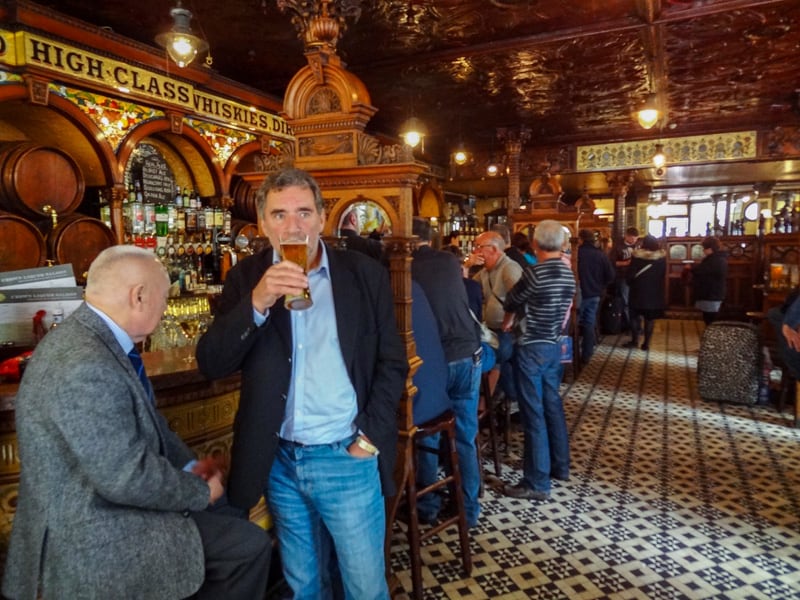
(294, 247)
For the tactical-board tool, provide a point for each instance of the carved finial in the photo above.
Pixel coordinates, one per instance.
(320, 23)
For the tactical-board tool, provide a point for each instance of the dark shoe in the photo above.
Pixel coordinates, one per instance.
(645, 347)
(560, 477)
(524, 492)
(630, 344)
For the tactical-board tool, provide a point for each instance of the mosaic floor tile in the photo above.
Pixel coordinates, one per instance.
(670, 497)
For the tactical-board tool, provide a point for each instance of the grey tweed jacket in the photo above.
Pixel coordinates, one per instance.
(103, 501)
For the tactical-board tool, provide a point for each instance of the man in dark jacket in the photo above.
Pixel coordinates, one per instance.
(595, 273)
(316, 429)
(351, 232)
(709, 279)
(439, 274)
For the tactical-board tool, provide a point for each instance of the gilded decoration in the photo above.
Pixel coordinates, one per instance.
(324, 101)
(682, 150)
(371, 152)
(324, 145)
(194, 420)
(6, 77)
(320, 23)
(115, 118)
(9, 456)
(223, 140)
(38, 91)
(275, 161)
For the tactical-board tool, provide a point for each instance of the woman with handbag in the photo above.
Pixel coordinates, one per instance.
(646, 276)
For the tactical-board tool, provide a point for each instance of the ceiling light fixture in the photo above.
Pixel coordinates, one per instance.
(648, 115)
(460, 156)
(659, 158)
(180, 43)
(413, 132)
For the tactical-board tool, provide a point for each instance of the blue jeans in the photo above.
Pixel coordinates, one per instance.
(546, 450)
(587, 317)
(322, 499)
(463, 383)
(624, 292)
(505, 355)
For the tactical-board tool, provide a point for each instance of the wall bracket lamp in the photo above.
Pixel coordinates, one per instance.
(180, 43)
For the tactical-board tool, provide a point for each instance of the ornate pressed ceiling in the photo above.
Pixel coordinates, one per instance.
(574, 73)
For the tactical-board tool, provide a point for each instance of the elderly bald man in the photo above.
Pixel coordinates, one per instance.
(109, 505)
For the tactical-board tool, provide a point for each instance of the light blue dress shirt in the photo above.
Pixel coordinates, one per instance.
(321, 406)
(120, 334)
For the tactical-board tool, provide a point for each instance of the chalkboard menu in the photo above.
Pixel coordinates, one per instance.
(148, 167)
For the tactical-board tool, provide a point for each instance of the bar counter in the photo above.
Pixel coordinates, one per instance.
(199, 410)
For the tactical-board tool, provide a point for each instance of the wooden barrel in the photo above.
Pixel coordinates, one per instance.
(244, 201)
(21, 244)
(246, 228)
(77, 240)
(34, 176)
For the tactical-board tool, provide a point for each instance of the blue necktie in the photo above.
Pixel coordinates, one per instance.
(138, 366)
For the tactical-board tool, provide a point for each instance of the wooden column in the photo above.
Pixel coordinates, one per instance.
(117, 196)
(514, 138)
(618, 184)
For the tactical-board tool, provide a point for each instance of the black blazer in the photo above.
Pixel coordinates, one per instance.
(371, 346)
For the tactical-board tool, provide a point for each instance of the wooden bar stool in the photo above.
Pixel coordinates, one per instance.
(444, 424)
(487, 416)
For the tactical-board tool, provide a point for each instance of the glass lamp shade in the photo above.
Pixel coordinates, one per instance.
(460, 157)
(181, 45)
(648, 115)
(492, 170)
(659, 158)
(412, 131)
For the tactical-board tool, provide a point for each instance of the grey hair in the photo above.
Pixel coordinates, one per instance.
(117, 268)
(495, 238)
(549, 235)
(285, 178)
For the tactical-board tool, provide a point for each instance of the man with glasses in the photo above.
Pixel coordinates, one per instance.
(498, 276)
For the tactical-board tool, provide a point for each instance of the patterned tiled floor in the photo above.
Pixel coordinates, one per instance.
(670, 496)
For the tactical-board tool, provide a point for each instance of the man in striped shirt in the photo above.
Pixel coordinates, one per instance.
(544, 294)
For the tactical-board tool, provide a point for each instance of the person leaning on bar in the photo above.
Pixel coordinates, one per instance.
(316, 431)
(112, 503)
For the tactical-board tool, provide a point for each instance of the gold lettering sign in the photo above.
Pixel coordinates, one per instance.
(23, 48)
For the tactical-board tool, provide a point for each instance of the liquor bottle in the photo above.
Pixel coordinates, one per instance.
(180, 220)
(149, 218)
(178, 197)
(226, 223)
(191, 220)
(201, 218)
(105, 209)
(172, 218)
(210, 219)
(187, 203)
(137, 212)
(162, 220)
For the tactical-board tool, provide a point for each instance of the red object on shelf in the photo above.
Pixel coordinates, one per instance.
(12, 368)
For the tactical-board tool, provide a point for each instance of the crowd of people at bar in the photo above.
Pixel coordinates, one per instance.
(112, 504)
